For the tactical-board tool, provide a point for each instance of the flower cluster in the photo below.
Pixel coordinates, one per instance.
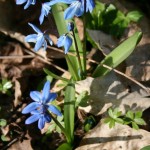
(41, 107)
(76, 8)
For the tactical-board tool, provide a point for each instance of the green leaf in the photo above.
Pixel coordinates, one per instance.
(146, 148)
(3, 122)
(69, 110)
(65, 146)
(110, 112)
(119, 120)
(4, 138)
(134, 16)
(138, 114)
(130, 115)
(107, 120)
(7, 85)
(135, 126)
(139, 121)
(112, 123)
(118, 55)
(55, 76)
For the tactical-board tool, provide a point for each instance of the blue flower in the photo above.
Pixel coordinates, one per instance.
(76, 7)
(39, 38)
(29, 2)
(65, 41)
(44, 11)
(41, 105)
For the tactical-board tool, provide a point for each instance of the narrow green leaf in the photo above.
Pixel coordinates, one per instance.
(54, 75)
(69, 110)
(65, 146)
(146, 148)
(118, 55)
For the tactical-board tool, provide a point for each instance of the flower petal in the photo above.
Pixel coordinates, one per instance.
(46, 92)
(51, 97)
(36, 96)
(33, 118)
(68, 43)
(74, 9)
(39, 42)
(41, 122)
(37, 30)
(19, 2)
(47, 118)
(31, 38)
(61, 40)
(54, 110)
(29, 2)
(60, 1)
(30, 107)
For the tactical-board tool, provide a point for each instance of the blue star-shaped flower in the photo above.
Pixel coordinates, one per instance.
(76, 7)
(41, 105)
(29, 2)
(65, 41)
(44, 11)
(39, 38)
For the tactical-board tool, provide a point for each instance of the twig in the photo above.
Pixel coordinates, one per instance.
(16, 56)
(48, 61)
(110, 68)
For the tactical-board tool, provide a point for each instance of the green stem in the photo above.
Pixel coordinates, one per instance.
(84, 37)
(61, 127)
(78, 55)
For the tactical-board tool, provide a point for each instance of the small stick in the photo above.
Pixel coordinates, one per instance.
(110, 68)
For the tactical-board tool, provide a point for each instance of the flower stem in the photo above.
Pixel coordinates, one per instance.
(61, 127)
(84, 36)
(78, 55)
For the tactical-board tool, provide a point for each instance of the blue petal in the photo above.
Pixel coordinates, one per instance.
(36, 96)
(32, 119)
(41, 18)
(29, 2)
(74, 9)
(41, 122)
(52, 96)
(30, 107)
(31, 38)
(39, 42)
(37, 30)
(54, 110)
(18, 2)
(61, 1)
(68, 43)
(47, 118)
(33, 2)
(49, 39)
(90, 5)
(46, 92)
(61, 41)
